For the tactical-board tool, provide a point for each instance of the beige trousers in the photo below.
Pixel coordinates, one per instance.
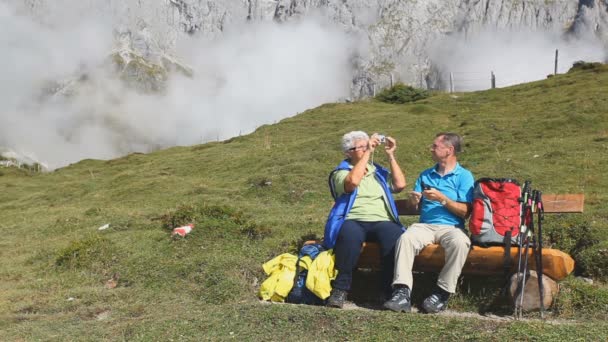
(454, 241)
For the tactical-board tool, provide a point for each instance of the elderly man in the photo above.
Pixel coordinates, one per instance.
(364, 209)
(443, 195)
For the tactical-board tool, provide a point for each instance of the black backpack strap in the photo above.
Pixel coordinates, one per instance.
(506, 260)
(539, 251)
(295, 278)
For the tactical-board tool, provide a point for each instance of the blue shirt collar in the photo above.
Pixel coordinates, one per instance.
(455, 171)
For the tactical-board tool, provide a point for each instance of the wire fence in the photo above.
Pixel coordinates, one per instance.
(463, 81)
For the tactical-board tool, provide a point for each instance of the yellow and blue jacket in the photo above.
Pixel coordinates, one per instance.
(281, 272)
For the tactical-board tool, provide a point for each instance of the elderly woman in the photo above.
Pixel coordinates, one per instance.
(364, 209)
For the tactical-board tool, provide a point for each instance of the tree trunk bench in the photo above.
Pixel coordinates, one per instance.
(484, 261)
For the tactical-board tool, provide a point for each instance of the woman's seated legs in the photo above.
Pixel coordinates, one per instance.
(386, 233)
(347, 251)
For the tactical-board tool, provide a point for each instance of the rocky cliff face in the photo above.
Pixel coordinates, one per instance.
(399, 32)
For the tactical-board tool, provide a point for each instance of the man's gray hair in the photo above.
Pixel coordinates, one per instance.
(349, 139)
(452, 139)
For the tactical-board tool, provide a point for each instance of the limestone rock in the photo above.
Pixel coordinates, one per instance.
(399, 33)
(142, 63)
(10, 158)
(531, 295)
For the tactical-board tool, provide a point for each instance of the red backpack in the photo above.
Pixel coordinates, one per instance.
(496, 214)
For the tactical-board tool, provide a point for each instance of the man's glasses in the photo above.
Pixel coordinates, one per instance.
(435, 146)
(358, 148)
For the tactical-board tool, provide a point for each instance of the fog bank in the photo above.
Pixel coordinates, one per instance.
(257, 73)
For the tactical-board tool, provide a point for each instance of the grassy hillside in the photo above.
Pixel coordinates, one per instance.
(256, 196)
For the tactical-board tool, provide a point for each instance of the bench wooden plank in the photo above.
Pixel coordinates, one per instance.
(405, 208)
(553, 203)
(564, 203)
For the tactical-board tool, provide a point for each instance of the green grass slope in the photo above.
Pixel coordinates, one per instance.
(257, 196)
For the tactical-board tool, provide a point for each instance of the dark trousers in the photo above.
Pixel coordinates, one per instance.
(348, 248)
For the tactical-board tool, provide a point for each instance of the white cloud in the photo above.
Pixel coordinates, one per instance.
(514, 56)
(252, 75)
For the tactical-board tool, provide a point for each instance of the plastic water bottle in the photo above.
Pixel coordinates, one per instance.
(183, 230)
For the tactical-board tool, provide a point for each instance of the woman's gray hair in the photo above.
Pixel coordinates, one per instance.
(349, 139)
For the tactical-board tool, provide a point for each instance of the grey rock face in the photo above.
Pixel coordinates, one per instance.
(399, 32)
(9, 158)
(142, 63)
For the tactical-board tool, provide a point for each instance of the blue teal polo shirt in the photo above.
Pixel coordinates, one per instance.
(456, 185)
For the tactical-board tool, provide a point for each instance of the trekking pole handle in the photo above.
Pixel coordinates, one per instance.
(525, 192)
(539, 204)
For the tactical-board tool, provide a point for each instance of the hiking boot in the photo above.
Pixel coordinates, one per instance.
(436, 302)
(337, 298)
(400, 300)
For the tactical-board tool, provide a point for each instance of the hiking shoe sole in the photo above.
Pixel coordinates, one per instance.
(434, 306)
(335, 305)
(397, 308)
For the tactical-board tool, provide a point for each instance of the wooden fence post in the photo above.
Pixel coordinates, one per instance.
(451, 82)
(555, 68)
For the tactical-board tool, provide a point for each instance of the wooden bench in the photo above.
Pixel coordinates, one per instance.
(484, 261)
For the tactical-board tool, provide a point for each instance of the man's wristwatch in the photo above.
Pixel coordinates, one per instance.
(444, 202)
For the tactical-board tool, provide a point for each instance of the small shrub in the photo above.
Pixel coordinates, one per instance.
(184, 214)
(582, 65)
(594, 261)
(94, 252)
(569, 233)
(259, 182)
(401, 93)
(214, 218)
(222, 213)
(578, 238)
(296, 245)
(580, 300)
(95, 211)
(256, 232)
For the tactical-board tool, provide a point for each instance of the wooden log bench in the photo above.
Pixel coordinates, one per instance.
(486, 261)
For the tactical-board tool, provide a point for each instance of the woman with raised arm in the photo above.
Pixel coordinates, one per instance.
(364, 209)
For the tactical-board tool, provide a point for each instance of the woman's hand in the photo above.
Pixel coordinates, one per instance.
(390, 146)
(374, 141)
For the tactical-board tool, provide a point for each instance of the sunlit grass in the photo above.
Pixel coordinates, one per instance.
(256, 196)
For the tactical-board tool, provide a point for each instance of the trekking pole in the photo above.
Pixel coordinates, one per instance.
(521, 236)
(539, 251)
(529, 234)
(522, 283)
(522, 224)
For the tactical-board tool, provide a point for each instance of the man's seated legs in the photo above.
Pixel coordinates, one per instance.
(456, 245)
(415, 238)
